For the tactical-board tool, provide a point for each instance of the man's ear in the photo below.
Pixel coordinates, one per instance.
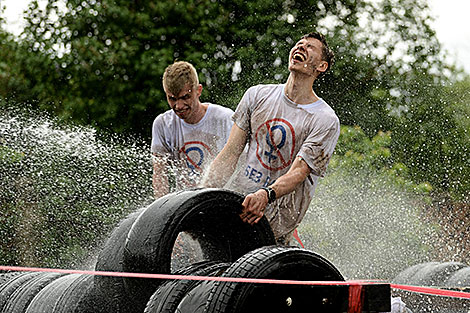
(323, 66)
(199, 90)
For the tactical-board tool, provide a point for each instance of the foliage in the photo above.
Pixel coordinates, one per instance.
(432, 137)
(107, 57)
(457, 107)
(63, 187)
(100, 63)
(11, 76)
(366, 209)
(356, 152)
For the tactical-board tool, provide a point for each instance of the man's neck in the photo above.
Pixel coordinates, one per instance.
(198, 114)
(299, 88)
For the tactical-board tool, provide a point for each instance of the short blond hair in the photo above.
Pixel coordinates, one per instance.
(179, 74)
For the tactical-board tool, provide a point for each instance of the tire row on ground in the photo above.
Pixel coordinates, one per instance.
(435, 274)
(194, 232)
(446, 275)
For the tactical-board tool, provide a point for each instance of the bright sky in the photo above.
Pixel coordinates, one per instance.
(452, 25)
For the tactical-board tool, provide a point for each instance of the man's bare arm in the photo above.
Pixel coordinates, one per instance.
(160, 182)
(222, 168)
(255, 203)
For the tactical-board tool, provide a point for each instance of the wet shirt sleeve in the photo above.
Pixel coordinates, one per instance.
(242, 115)
(319, 145)
(159, 138)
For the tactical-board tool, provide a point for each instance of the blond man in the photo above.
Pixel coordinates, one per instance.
(186, 138)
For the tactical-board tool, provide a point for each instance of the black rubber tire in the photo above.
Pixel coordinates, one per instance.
(166, 284)
(195, 300)
(274, 262)
(211, 216)
(405, 276)
(110, 259)
(22, 296)
(5, 277)
(168, 295)
(460, 278)
(434, 273)
(72, 293)
(439, 274)
(79, 296)
(47, 298)
(9, 288)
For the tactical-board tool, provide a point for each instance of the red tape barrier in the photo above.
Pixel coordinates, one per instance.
(433, 291)
(359, 283)
(187, 277)
(296, 236)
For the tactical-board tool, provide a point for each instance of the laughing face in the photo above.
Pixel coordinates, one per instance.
(306, 57)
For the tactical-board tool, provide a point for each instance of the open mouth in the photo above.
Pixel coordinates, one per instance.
(298, 56)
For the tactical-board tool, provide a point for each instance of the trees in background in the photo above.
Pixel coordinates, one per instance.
(100, 62)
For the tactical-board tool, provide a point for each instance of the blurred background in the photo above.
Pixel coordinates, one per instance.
(80, 85)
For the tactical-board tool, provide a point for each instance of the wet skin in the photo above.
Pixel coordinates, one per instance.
(186, 103)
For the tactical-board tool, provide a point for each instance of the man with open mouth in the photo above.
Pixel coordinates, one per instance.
(291, 135)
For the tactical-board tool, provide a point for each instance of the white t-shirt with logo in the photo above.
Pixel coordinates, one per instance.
(194, 145)
(280, 130)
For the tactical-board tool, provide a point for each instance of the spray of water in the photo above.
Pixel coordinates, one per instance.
(63, 187)
(368, 227)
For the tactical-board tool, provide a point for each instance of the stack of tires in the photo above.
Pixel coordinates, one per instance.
(196, 233)
(444, 275)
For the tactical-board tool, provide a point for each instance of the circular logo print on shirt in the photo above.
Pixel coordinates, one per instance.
(194, 153)
(275, 141)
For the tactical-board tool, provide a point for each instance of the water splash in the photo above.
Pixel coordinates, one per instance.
(62, 187)
(368, 228)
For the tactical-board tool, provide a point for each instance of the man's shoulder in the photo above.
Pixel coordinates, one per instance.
(320, 107)
(325, 113)
(166, 118)
(220, 110)
(166, 114)
(328, 111)
(321, 113)
(259, 93)
(264, 88)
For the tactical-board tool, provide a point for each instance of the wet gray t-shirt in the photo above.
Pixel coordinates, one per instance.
(195, 145)
(280, 130)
